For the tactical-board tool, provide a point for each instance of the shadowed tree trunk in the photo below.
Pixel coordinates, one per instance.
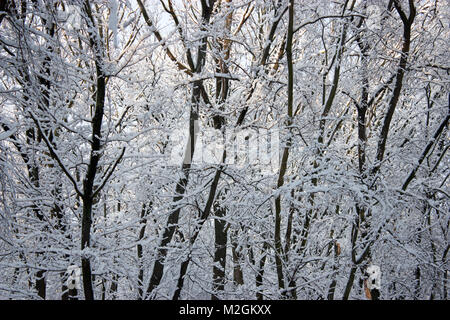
(279, 254)
(220, 252)
(220, 225)
(206, 212)
(361, 224)
(172, 221)
(236, 253)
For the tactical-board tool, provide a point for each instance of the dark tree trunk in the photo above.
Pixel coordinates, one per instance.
(88, 182)
(236, 252)
(260, 274)
(169, 230)
(220, 251)
(140, 254)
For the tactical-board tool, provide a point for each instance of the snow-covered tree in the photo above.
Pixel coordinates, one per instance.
(224, 149)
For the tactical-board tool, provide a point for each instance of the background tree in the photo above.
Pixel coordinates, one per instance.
(225, 149)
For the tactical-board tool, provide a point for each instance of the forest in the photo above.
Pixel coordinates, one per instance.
(224, 149)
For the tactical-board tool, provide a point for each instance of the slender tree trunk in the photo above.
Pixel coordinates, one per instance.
(407, 23)
(220, 252)
(213, 188)
(361, 217)
(88, 182)
(144, 213)
(114, 286)
(169, 230)
(279, 255)
(381, 146)
(332, 288)
(236, 252)
(44, 102)
(204, 216)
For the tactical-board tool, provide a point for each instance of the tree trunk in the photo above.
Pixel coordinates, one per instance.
(169, 230)
(381, 146)
(220, 252)
(279, 254)
(238, 276)
(220, 225)
(143, 222)
(88, 182)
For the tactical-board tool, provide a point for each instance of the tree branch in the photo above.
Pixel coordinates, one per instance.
(55, 155)
(108, 175)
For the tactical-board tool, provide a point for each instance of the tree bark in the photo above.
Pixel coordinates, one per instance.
(88, 182)
(220, 225)
(220, 252)
(279, 255)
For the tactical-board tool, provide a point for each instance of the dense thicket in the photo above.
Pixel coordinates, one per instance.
(224, 149)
